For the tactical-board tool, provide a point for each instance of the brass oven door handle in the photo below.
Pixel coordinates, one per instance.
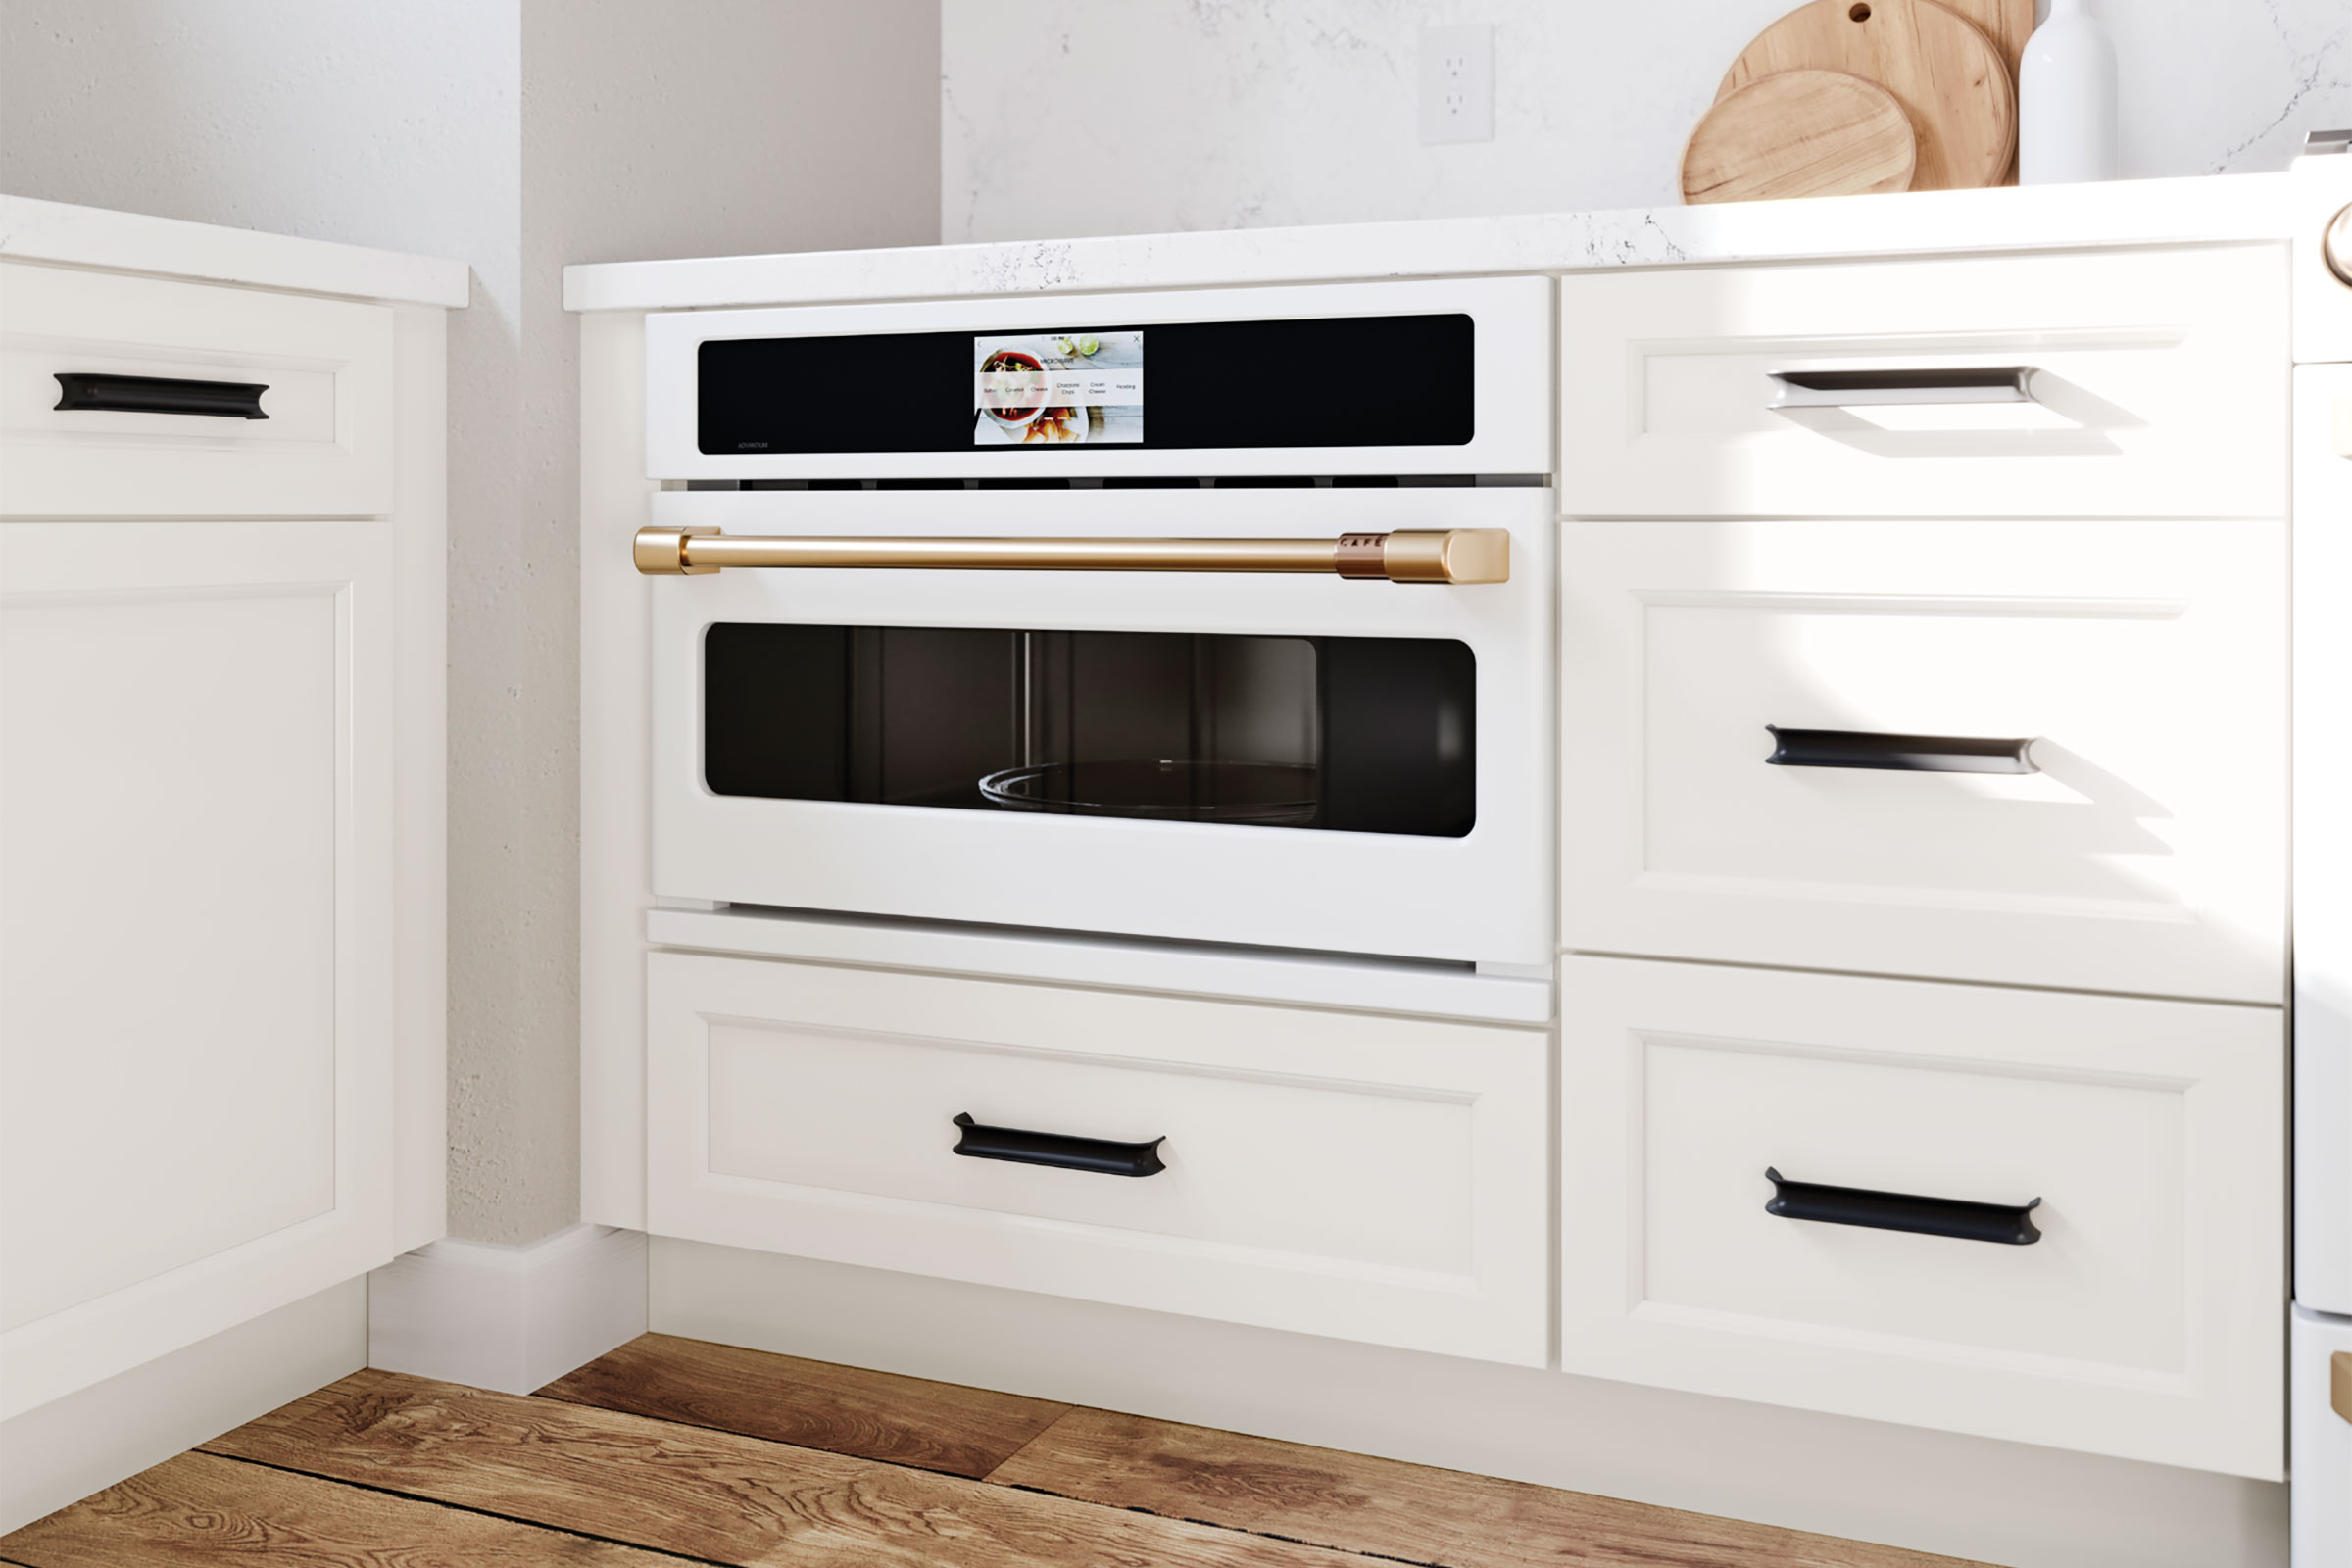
(1437, 554)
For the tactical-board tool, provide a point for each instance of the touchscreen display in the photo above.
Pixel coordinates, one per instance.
(1045, 389)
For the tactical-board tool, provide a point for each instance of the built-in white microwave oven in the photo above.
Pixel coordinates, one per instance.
(1217, 616)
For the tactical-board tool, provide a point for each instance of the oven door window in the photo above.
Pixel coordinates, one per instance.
(1350, 734)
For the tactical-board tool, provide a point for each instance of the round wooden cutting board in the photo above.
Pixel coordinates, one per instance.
(1946, 73)
(1800, 134)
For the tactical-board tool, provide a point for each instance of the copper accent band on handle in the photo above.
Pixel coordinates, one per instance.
(1361, 557)
(1439, 556)
(2340, 1383)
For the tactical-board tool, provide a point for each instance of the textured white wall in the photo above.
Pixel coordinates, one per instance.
(1112, 117)
(650, 129)
(520, 135)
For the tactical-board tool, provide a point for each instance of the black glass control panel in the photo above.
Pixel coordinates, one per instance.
(1332, 381)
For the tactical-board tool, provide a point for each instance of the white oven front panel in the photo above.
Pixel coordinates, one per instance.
(1484, 897)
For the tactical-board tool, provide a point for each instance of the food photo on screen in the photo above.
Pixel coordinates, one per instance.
(1057, 388)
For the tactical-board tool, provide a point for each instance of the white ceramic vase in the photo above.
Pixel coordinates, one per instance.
(2065, 100)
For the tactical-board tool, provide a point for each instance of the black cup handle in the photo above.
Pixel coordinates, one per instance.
(1062, 1150)
(2009, 1223)
(160, 394)
(1901, 754)
(1844, 389)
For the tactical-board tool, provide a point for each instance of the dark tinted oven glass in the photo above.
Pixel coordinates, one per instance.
(1354, 734)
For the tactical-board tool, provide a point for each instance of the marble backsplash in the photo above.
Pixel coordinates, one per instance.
(1119, 117)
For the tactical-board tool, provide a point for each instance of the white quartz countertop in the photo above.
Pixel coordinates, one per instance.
(130, 242)
(2155, 212)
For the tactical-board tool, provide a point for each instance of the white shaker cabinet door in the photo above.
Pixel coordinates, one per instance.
(195, 906)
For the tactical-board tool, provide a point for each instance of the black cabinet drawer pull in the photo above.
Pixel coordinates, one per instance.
(161, 394)
(1900, 754)
(1846, 389)
(2009, 1223)
(1102, 1156)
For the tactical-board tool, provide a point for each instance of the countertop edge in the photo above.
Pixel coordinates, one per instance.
(35, 231)
(2202, 209)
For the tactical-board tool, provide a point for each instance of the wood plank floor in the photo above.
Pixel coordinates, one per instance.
(670, 1452)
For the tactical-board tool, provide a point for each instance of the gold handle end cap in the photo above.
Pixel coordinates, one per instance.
(662, 551)
(1453, 555)
(1479, 555)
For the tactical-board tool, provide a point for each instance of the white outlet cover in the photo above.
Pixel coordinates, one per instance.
(1457, 84)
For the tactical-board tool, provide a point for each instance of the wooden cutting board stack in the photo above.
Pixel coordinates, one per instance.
(1841, 97)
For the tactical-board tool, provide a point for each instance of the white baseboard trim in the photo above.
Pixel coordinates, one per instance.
(508, 1318)
(86, 1441)
(1900, 1486)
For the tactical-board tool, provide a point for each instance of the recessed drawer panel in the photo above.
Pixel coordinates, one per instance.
(2048, 753)
(1365, 1177)
(2047, 1217)
(189, 398)
(2127, 383)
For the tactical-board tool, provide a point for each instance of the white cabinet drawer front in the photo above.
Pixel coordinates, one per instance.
(802, 1107)
(1359, 1176)
(2143, 1322)
(2157, 388)
(2144, 663)
(323, 449)
(2145, 1319)
(195, 919)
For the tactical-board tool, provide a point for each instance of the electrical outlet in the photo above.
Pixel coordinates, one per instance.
(1457, 84)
